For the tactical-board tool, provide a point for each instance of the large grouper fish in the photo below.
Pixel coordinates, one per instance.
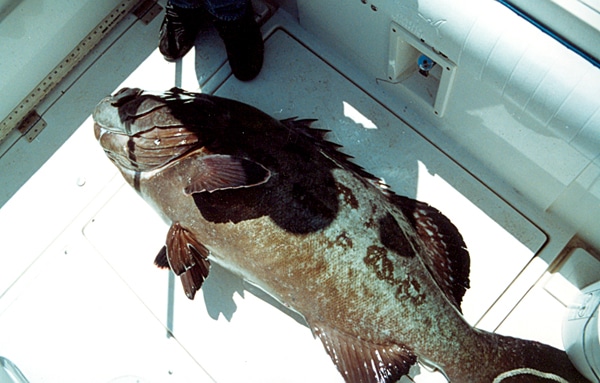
(378, 277)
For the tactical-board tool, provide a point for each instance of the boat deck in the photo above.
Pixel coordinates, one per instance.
(80, 298)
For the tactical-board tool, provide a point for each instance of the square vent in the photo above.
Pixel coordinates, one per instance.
(423, 71)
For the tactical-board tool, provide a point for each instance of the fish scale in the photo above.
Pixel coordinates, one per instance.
(378, 277)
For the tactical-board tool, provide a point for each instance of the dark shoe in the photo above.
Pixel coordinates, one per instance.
(178, 31)
(244, 45)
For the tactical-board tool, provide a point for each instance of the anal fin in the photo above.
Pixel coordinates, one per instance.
(361, 361)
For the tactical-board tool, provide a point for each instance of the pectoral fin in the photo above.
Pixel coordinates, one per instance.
(187, 257)
(220, 172)
(361, 361)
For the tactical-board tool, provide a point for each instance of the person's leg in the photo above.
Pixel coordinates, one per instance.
(179, 28)
(187, 4)
(227, 10)
(234, 19)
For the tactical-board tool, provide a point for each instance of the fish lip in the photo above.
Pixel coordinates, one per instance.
(97, 131)
(103, 115)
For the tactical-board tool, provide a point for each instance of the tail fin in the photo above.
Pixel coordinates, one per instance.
(513, 360)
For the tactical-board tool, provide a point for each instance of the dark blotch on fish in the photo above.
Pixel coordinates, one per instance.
(393, 238)
(347, 196)
(377, 259)
(306, 211)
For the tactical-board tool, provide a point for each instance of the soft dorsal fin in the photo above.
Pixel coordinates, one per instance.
(361, 361)
(444, 252)
(187, 257)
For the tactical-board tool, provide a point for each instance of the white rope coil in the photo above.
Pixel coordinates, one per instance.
(529, 371)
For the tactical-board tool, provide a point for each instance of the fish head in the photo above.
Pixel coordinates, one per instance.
(143, 131)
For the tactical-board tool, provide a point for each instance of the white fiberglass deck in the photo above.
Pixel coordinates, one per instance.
(80, 298)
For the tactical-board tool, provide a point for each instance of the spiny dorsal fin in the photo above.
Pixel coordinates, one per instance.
(360, 361)
(304, 125)
(444, 252)
(330, 149)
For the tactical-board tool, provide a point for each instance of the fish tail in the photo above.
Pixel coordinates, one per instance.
(520, 360)
(504, 359)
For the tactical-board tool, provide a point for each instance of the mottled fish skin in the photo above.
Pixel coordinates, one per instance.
(378, 277)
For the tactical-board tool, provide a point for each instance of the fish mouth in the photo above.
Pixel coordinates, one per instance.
(139, 132)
